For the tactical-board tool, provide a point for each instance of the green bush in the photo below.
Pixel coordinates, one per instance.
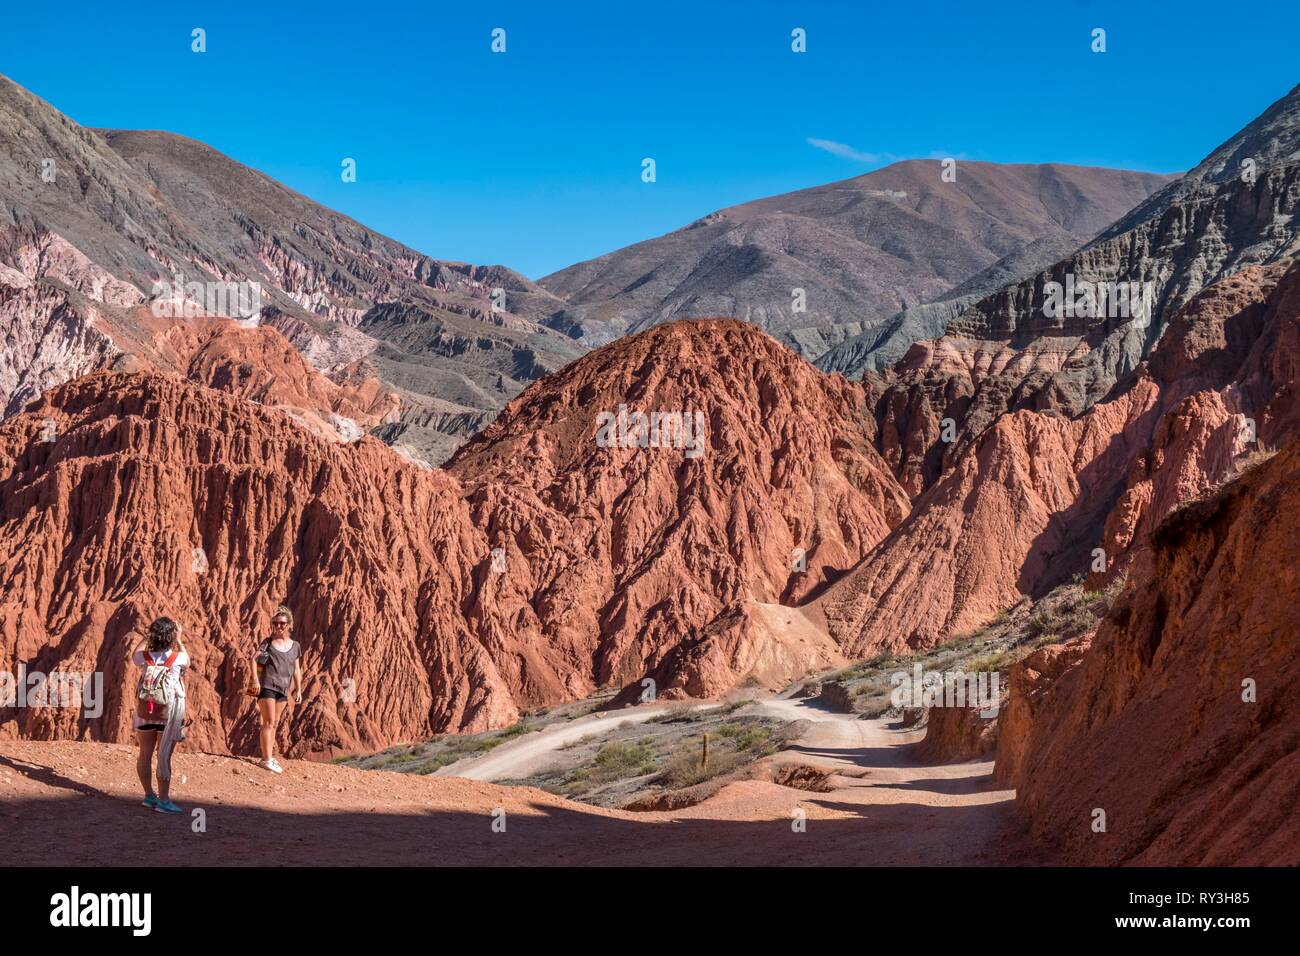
(617, 760)
(684, 768)
(676, 714)
(991, 663)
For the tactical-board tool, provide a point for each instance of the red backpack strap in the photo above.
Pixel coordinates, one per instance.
(172, 659)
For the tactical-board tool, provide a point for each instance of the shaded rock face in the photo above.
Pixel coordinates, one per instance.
(957, 733)
(862, 250)
(1022, 507)
(540, 566)
(1010, 518)
(94, 218)
(1157, 724)
(1227, 370)
(1208, 592)
(1028, 695)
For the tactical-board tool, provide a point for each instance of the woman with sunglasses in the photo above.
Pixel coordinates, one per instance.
(279, 673)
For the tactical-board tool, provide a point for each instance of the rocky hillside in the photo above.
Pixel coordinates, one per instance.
(1235, 208)
(1016, 435)
(539, 566)
(1170, 718)
(680, 563)
(861, 249)
(1023, 507)
(93, 219)
(694, 504)
(879, 347)
(212, 508)
(1012, 350)
(1176, 720)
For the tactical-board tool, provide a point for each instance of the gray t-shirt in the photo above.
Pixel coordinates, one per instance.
(277, 675)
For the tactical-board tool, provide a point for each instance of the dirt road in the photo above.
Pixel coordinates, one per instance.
(518, 758)
(78, 803)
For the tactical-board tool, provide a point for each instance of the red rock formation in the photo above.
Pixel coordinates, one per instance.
(971, 382)
(1029, 682)
(615, 562)
(1228, 360)
(665, 555)
(1154, 724)
(99, 531)
(957, 733)
(260, 365)
(1146, 721)
(1024, 501)
(996, 527)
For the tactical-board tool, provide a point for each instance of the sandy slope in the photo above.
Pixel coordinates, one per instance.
(77, 803)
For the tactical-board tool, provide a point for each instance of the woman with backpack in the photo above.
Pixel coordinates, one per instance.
(279, 669)
(160, 707)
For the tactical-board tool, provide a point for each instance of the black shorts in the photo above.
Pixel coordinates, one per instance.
(152, 727)
(267, 694)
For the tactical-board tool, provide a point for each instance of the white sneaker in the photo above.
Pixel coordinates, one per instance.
(272, 766)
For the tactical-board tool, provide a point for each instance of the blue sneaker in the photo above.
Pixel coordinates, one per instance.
(166, 806)
(151, 802)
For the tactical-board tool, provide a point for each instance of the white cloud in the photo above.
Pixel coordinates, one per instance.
(848, 152)
(844, 151)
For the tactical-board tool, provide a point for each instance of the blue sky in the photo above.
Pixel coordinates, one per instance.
(532, 158)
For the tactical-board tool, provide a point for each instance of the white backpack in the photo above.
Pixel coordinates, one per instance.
(157, 690)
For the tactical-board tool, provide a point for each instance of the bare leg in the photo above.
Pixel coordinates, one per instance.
(267, 711)
(143, 763)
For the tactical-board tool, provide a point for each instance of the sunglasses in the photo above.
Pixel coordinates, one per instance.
(279, 623)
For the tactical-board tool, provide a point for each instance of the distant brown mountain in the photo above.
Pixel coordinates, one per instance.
(95, 218)
(92, 219)
(862, 250)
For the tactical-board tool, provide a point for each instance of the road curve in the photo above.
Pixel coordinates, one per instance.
(528, 753)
